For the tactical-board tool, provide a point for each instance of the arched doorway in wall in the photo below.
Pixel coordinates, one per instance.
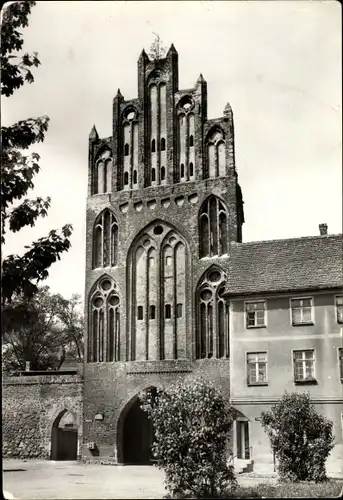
(135, 434)
(64, 437)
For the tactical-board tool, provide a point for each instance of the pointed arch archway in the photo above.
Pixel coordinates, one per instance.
(135, 433)
(64, 436)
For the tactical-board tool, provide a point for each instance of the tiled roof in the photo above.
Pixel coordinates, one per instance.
(286, 265)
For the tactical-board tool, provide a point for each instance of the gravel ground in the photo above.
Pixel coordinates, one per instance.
(38, 480)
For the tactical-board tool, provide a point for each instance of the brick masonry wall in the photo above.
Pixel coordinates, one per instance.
(111, 387)
(30, 405)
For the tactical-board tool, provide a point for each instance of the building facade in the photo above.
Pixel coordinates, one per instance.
(169, 283)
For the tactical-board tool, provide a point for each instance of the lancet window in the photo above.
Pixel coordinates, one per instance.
(213, 228)
(105, 240)
(104, 322)
(212, 332)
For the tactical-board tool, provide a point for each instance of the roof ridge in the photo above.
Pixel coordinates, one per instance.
(298, 238)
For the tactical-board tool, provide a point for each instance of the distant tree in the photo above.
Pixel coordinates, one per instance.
(300, 438)
(157, 51)
(72, 321)
(41, 330)
(21, 274)
(191, 422)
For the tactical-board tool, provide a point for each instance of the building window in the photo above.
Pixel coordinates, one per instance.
(163, 144)
(212, 332)
(304, 366)
(213, 228)
(168, 311)
(257, 368)
(215, 154)
(152, 312)
(126, 178)
(163, 173)
(191, 142)
(102, 174)
(191, 170)
(340, 360)
(135, 176)
(140, 312)
(126, 150)
(153, 146)
(255, 314)
(179, 311)
(301, 311)
(339, 309)
(104, 322)
(182, 170)
(153, 175)
(105, 240)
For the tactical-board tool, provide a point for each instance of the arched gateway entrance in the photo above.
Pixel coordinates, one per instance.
(135, 434)
(64, 437)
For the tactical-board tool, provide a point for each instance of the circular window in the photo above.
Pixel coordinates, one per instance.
(98, 301)
(158, 230)
(214, 276)
(206, 295)
(114, 300)
(172, 240)
(186, 104)
(106, 285)
(146, 242)
(130, 114)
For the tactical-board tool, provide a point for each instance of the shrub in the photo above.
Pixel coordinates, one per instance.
(300, 438)
(191, 424)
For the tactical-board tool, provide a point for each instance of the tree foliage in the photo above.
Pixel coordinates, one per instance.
(157, 50)
(191, 424)
(41, 330)
(20, 274)
(300, 438)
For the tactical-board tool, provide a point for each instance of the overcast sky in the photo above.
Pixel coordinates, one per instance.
(277, 63)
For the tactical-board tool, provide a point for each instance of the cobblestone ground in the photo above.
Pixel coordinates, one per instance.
(38, 480)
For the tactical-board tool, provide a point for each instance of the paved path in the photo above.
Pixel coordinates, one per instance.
(48, 480)
(37, 480)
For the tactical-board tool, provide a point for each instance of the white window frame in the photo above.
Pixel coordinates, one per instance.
(246, 313)
(303, 360)
(339, 296)
(300, 323)
(257, 383)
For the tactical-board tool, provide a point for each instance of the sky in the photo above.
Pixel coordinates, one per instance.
(277, 63)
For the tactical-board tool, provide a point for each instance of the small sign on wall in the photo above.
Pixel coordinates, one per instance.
(99, 416)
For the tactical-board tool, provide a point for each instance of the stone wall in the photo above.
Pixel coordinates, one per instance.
(30, 406)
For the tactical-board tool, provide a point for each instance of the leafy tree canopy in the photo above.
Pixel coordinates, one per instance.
(20, 274)
(300, 437)
(191, 422)
(42, 330)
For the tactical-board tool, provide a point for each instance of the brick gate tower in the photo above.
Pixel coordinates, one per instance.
(163, 208)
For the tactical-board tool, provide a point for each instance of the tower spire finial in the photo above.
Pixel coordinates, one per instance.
(93, 135)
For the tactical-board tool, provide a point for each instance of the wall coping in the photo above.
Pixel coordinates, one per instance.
(42, 380)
